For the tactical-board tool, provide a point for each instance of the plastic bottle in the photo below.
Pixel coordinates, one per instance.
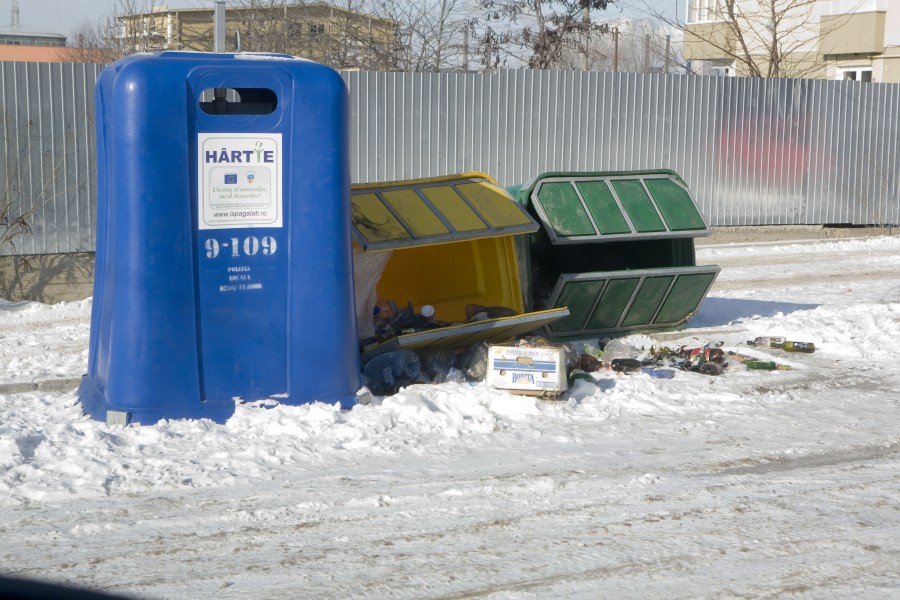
(388, 372)
(436, 364)
(425, 319)
(474, 361)
(658, 373)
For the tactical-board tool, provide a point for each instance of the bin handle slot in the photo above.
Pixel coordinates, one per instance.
(238, 101)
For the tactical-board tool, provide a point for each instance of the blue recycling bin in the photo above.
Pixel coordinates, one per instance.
(223, 267)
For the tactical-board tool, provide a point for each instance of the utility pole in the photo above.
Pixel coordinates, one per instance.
(646, 53)
(586, 22)
(668, 61)
(615, 49)
(220, 26)
(466, 50)
(14, 15)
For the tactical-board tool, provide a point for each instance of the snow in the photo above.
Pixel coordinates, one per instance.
(750, 484)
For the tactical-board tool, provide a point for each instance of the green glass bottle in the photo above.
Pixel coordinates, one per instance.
(807, 347)
(760, 365)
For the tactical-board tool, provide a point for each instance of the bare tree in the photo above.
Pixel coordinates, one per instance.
(108, 39)
(13, 226)
(266, 25)
(358, 38)
(21, 197)
(434, 34)
(543, 29)
(340, 33)
(627, 45)
(90, 42)
(762, 38)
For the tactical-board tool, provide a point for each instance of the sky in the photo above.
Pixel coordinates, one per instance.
(62, 16)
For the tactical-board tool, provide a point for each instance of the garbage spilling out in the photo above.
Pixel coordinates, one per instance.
(533, 365)
(453, 278)
(391, 321)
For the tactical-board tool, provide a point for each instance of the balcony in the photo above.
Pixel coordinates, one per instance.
(860, 33)
(708, 41)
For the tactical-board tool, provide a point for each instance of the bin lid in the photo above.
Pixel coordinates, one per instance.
(460, 337)
(619, 301)
(577, 208)
(436, 210)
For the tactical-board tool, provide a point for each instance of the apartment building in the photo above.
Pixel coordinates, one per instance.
(824, 39)
(321, 32)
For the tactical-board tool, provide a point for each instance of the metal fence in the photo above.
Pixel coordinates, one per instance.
(753, 151)
(47, 155)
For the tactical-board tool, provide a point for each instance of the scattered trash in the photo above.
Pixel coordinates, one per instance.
(756, 364)
(390, 321)
(711, 368)
(658, 373)
(767, 342)
(438, 365)
(531, 367)
(473, 362)
(364, 396)
(388, 372)
(618, 348)
(534, 365)
(783, 344)
(625, 365)
(760, 365)
(476, 312)
(588, 363)
(806, 347)
(708, 359)
(578, 374)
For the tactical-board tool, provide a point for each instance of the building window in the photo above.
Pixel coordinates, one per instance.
(863, 74)
(316, 29)
(700, 11)
(721, 71)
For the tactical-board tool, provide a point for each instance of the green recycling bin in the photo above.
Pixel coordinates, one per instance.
(616, 248)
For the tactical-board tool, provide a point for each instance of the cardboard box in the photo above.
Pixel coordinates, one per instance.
(529, 371)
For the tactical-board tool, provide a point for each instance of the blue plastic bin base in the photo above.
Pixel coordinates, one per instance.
(97, 406)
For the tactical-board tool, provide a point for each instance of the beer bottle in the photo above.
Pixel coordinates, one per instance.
(767, 342)
(760, 365)
(807, 347)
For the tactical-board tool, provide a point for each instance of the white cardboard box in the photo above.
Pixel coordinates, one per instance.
(531, 371)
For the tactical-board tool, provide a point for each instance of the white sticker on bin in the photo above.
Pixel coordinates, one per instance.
(239, 180)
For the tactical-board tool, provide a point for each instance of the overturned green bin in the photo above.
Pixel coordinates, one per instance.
(616, 248)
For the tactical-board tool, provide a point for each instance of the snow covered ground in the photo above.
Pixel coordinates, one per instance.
(748, 485)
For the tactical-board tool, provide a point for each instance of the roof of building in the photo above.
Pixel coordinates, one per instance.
(163, 10)
(31, 34)
(14, 53)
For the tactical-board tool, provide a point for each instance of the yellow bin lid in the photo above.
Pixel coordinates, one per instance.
(435, 210)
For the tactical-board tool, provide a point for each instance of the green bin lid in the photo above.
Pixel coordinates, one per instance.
(614, 302)
(590, 207)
